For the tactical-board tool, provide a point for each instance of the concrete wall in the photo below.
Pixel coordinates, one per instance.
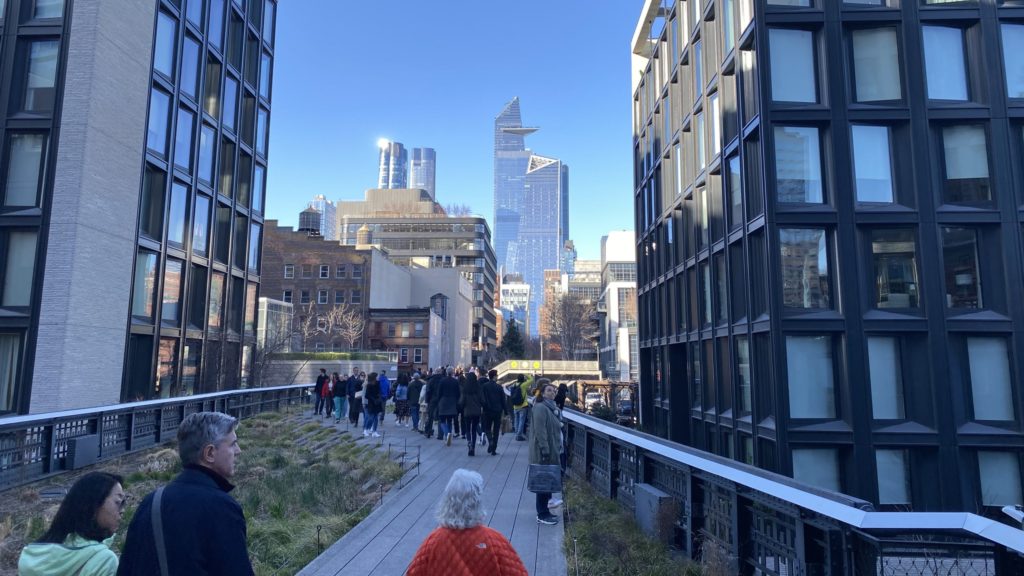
(389, 284)
(285, 372)
(91, 245)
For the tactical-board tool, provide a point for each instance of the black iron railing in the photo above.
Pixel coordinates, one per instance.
(749, 521)
(33, 447)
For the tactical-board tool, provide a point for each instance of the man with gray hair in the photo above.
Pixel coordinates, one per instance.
(192, 525)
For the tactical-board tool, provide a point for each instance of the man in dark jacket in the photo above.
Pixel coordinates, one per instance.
(318, 390)
(495, 404)
(433, 396)
(448, 404)
(203, 528)
(414, 400)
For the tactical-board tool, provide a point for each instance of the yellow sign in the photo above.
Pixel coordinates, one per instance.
(514, 364)
(536, 365)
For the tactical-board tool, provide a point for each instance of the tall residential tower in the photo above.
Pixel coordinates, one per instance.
(393, 165)
(422, 170)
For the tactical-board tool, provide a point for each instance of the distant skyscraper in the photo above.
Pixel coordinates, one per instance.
(422, 169)
(394, 165)
(328, 216)
(531, 206)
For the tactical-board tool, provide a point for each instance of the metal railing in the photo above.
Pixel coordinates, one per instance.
(588, 368)
(758, 522)
(36, 446)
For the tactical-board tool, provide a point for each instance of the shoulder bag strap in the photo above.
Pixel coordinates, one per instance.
(158, 531)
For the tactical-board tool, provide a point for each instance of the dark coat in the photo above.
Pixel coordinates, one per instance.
(495, 401)
(434, 390)
(318, 388)
(472, 399)
(447, 396)
(372, 398)
(353, 385)
(414, 391)
(204, 530)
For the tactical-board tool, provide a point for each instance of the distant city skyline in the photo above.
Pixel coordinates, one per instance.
(329, 146)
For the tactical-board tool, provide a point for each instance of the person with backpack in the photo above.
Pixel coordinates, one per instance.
(518, 395)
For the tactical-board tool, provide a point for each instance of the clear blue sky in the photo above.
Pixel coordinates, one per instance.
(435, 74)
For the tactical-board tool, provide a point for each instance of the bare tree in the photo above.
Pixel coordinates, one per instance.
(264, 354)
(572, 326)
(347, 321)
(456, 210)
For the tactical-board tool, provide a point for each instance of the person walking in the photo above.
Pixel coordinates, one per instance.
(545, 441)
(472, 402)
(519, 392)
(385, 393)
(77, 541)
(448, 393)
(495, 405)
(373, 405)
(318, 391)
(462, 545)
(199, 527)
(415, 389)
(354, 387)
(340, 393)
(433, 396)
(402, 400)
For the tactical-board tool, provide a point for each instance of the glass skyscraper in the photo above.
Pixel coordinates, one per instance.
(394, 165)
(531, 206)
(422, 170)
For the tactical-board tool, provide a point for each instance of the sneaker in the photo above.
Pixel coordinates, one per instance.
(555, 503)
(521, 438)
(375, 434)
(366, 432)
(448, 439)
(550, 520)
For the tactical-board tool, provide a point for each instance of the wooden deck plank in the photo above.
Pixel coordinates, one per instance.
(385, 542)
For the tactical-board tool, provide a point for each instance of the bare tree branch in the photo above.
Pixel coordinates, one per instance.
(572, 326)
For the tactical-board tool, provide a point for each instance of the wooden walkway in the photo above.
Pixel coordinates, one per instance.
(385, 542)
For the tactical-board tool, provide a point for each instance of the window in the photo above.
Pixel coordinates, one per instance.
(255, 233)
(872, 165)
(195, 12)
(325, 271)
(320, 347)
(211, 89)
(159, 112)
(391, 329)
(341, 272)
(357, 297)
(144, 286)
(716, 124)
(1013, 59)
(734, 181)
(357, 271)
(991, 384)
(307, 270)
(999, 475)
(206, 140)
(743, 373)
(886, 373)
(876, 65)
(170, 309)
(418, 330)
(241, 231)
(257, 189)
(25, 166)
(265, 76)
(41, 76)
(321, 324)
(817, 467)
(46, 8)
(699, 138)
(810, 372)
(216, 309)
(216, 22)
(339, 296)
(728, 22)
(289, 270)
(177, 215)
(229, 110)
(805, 270)
(201, 226)
(792, 60)
(321, 296)
(286, 296)
(895, 265)
(403, 355)
(163, 48)
(960, 260)
(417, 355)
(304, 297)
(893, 477)
(966, 165)
(261, 132)
(19, 267)
(798, 165)
(197, 297)
(944, 63)
(227, 167)
(697, 61)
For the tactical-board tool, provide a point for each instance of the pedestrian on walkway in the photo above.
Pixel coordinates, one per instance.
(519, 403)
(462, 545)
(415, 389)
(545, 441)
(433, 396)
(448, 404)
(495, 405)
(318, 391)
(354, 387)
(402, 400)
(78, 538)
(373, 405)
(340, 394)
(472, 402)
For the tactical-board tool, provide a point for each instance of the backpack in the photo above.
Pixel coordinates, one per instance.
(517, 395)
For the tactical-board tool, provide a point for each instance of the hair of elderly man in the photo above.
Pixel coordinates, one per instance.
(462, 503)
(201, 429)
(451, 371)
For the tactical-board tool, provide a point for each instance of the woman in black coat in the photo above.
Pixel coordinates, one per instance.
(355, 401)
(472, 402)
(373, 405)
(448, 404)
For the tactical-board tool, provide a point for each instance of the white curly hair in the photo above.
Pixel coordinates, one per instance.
(462, 503)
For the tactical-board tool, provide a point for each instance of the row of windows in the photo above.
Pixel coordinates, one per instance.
(324, 270)
(185, 367)
(398, 329)
(323, 296)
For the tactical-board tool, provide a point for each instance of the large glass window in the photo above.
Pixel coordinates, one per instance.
(886, 373)
(25, 161)
(810, 374)
(10, 353)
(190, 66)
(195, 12)
(163, 47)
(207, 138)
(229, 109)
(46, 8)
(19, 267)
(876, 65)
(960, 260)
(792, 60)
(241, 232)
(894, 252)
(151, 211)
(999, 474)
(872, 163)
(197, 297)
(805, 269)
(159, 113)
(798, 165)
(227, 168)
(944, 63)
(261, 131)
(817, 467)
(257, 189)
(1013, 59)
(743, 373)
(211, 87)
(144, 286)
(201, 226)
(170, 309)
(965, 152)
(255, 231)
(222, 235)
(177, 215)
(697, 61)
(991, 383)
(734, 182)
(265, 76)
(893, 477)
(215, 311)
(216, 23)
(41, 71)
(183, 140)
(699, 138)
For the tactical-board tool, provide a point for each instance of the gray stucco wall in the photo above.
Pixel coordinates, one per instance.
(90, 256)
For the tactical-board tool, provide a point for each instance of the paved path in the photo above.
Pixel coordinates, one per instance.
(384, 543)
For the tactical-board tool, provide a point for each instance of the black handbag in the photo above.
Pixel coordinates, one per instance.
(544, 478)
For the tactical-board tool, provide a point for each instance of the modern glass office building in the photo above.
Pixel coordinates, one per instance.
(830, 214)
(423, 170)
(393, 165)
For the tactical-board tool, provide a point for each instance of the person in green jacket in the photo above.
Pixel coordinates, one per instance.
(77, 542)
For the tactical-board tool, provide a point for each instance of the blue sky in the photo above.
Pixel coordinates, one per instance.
(435, 74)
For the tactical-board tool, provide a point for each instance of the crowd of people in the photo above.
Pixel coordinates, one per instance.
(193, 526)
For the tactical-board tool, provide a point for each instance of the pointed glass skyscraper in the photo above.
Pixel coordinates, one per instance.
(531, 206)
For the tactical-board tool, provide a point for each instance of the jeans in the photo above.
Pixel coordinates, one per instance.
(414, 411)
(542, 504)
(447, 424)
(521, 420)
(492, 427)
(369, 420)
(471, 426)
(340, 406)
